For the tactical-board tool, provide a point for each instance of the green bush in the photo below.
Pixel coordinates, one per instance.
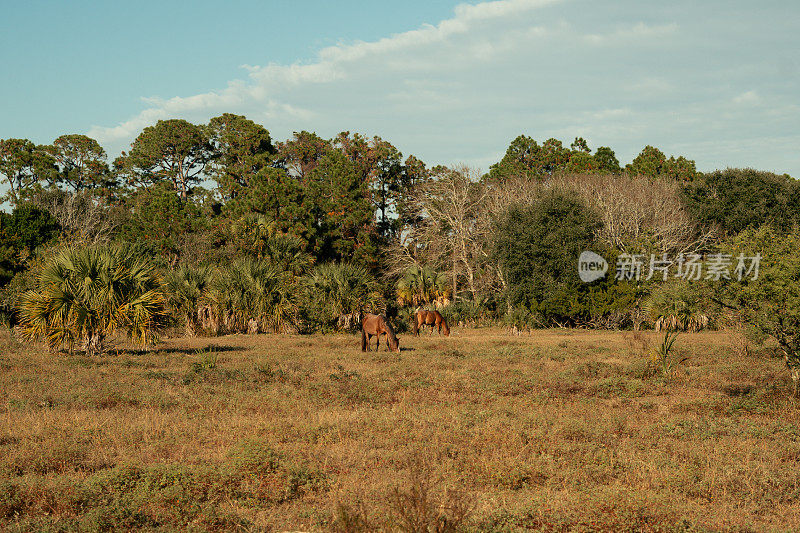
(83, 294)
(22, 231)
(469, 312)
(537, 248)
(735, 199)
(681, 305)
(770, 302)
(334, 294)
(253, 457)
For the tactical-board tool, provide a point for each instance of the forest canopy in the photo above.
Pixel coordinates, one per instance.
(241, 232)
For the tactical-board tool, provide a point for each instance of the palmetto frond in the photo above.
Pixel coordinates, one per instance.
(422, 285)
(89, 293)
(144, 316)
(255, 289)
(187, 286)
(36, 310)
(344, 289)
(287, 251)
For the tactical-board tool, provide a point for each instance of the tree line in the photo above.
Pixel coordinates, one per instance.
(238, 232)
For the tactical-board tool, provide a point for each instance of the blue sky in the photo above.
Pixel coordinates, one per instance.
(718, 82)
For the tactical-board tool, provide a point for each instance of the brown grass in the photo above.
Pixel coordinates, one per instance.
(560, 430)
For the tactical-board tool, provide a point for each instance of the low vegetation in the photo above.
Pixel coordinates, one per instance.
(553, 431)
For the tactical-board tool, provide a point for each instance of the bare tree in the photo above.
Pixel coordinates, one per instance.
(82, 216)
(452, 235)
(456, 212)
(639, 213)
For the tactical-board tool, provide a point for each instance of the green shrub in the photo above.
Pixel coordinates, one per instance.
(735, 199)
(85, 293)
(681, 305)
(537, 248)
(253, 457)
(770, 302)
(468, 312)
(522, 319)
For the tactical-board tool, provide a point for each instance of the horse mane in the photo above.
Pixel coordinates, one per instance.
(446, 327)
(389, 331)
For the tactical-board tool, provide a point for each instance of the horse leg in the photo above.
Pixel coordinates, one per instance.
(377, 342)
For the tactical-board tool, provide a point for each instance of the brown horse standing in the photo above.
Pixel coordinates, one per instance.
(434, 319)
(377, 325)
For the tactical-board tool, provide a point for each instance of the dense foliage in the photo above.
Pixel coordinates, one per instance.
(22, 231)
(771, 302)
(238, 232)
(735, 199)
(83, 295)
(537, 247)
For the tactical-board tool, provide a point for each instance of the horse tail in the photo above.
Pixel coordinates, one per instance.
(415, 323)
(363, 339)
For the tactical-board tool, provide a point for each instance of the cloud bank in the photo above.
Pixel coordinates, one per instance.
(461, 89)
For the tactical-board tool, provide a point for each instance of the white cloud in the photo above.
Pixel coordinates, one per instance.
(637, 32)
(461, 89)
(747, 98)
(333, 63)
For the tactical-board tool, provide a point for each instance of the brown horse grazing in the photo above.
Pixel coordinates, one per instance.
(377, 325)
(434, 319)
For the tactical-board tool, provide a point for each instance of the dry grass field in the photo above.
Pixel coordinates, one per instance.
(560, 430)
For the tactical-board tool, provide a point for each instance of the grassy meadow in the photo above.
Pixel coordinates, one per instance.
(559, 430)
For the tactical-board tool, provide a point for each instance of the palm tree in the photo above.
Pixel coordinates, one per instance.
(422, 285)
(287, 251)
(341, 291)
(678, 305)
(254, 295)
(265, 241)
(188, 291)
(86, 294)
